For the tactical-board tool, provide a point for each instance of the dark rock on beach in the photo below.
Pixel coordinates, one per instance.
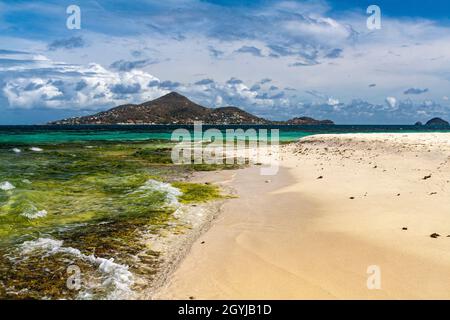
(435, 235)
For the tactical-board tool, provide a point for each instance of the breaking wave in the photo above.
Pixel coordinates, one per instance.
(6, 185)
(115, 276)
(33, 213)
(171, 193)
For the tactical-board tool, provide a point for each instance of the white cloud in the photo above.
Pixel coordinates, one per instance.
(391, 101)
(332, 102)
(65, 86)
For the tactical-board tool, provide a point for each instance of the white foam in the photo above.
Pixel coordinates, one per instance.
(116, 276)
(33, 213)
(36, 149)
(170, 191)
(16, 150)
(6, 185)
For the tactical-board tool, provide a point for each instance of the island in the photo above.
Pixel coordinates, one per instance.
(174, 108)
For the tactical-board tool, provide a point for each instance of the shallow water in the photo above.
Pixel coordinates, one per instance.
(83, 204)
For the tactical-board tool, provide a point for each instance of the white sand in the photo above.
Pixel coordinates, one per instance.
(299, 237)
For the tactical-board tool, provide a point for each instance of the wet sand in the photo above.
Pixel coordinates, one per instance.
(338, 205)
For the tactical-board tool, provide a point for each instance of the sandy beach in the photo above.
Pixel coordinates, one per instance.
(338, 205)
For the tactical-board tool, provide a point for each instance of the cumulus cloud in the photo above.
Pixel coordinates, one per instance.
(391, 101)
(70, 43)
(215, 53)
(204, 82)
(234, 81)
(123, 65)
(170, 85)
(251, 50)
(415, 91)
(49, 84)
(332, 102)
(333, 54)
(93, 87)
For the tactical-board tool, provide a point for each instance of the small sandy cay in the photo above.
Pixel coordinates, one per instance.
(340, 207)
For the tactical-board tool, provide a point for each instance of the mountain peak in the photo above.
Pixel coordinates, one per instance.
(172, 96)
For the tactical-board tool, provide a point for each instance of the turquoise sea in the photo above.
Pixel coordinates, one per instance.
(59, 134)
(76, 204)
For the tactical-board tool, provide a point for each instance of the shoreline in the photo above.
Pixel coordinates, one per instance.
(194, 220)
(299, 236)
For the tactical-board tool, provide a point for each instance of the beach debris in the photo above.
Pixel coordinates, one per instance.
(320, 177)
(191, 298)
(426, 177)
(36, 149)
(398, 194)
(203, 242)
(267, 181)
(435, 235)
(404, 228)
(351, 198)
(375, 167)
(16, 150)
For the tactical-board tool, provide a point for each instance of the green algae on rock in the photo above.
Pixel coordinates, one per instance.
(87, 204)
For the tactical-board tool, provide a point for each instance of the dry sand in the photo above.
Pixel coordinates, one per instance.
(299, 236)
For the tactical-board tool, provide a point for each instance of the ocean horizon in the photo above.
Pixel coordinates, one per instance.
(287, 133)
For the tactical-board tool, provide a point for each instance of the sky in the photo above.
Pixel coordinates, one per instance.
(275, 59)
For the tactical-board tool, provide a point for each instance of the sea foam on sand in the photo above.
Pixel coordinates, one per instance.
(6, 185)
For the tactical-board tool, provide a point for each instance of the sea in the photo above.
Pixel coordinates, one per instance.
(77, 203)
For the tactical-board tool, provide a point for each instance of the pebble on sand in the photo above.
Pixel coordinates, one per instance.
(435, 235)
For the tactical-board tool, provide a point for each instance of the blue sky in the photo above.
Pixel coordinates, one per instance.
(277, 59)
